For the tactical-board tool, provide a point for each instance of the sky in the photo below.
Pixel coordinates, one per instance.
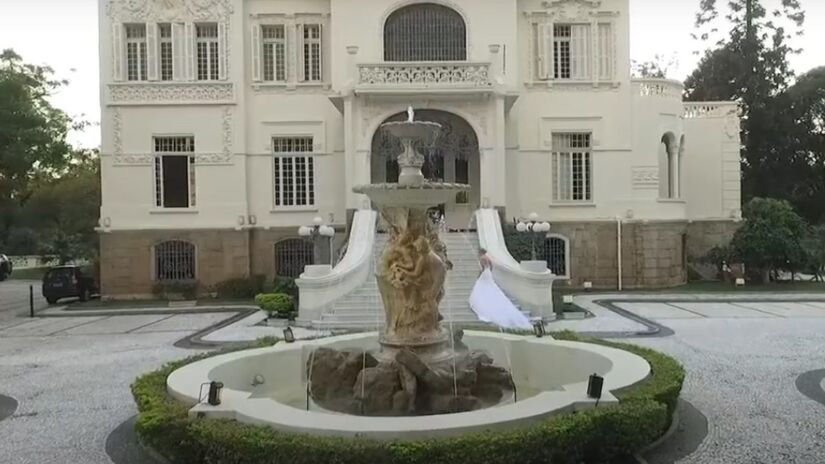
(63, 35)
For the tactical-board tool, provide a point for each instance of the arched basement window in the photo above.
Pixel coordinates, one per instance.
(174, 260)
(425, 32)
(291, 256)
(556, 252)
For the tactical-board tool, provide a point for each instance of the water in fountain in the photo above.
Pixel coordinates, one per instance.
(419, 369)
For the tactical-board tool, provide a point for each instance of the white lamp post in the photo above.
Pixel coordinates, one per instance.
(315, 232)
(534, 227)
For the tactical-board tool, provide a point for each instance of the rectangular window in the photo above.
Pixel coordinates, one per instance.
(312, 52)
(165, 52)
(274, 53)
(208, 52)
(294, 171)
(174, 172)
(572, 167)
(571, 51)
(136, 52)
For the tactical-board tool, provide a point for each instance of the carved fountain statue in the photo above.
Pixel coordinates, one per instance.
(419, 370)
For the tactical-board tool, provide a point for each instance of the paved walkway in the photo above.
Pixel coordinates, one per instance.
(70, 375)
(14, 298)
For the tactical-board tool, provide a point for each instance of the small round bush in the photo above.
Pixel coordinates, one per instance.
(275, 304)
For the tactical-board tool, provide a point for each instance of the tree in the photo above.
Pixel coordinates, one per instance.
(65, 210)
(771, 237)
(655, 69)
(32, 132)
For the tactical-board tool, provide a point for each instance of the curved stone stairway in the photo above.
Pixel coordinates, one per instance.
(363, 308)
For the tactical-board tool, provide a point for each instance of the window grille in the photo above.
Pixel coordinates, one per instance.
(312, 52)
(207, 51)
(572, 170)
(174, 260)
(136, 52)
(274, 52)
(425, 32)
(554, 251)
(166, 52)
(294, 174)
(571, 51)
(291, 256)
(174, 173)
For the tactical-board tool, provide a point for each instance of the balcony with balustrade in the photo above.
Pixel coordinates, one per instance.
(460, 77)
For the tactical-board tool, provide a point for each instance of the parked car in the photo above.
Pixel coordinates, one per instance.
(68, 281)
(5, 267)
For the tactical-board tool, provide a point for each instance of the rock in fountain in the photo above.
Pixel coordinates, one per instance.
(416, 372)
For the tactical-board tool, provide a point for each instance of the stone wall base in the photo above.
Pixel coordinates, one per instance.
(654, 254)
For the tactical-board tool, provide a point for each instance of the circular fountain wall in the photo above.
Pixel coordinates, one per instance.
(269, 386)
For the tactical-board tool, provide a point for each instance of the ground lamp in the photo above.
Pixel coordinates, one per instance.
(318, 231)
(289, 337)
(594, 387)
(534, 227)
(213, 396)
(538, 329)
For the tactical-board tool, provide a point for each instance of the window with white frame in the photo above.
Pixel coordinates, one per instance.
(294, 172)
(311, 53)
(174, 260)
(572, 167)
(174, 172)
(208, 51)
(166, 51)
(566, 51)
(274, 52)
(136, 52)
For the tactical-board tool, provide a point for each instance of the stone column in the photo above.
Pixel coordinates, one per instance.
(673, 155)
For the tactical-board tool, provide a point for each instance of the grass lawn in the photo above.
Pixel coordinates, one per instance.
(31, 273)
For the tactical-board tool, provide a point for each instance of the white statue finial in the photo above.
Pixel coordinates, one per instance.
(410, 114)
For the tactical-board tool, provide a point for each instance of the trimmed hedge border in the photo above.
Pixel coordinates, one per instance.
(592, 436)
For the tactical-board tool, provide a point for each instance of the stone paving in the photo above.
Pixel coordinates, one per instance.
(71, 375)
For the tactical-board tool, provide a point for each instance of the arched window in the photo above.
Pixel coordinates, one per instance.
(175, 260)
(556, 251)
(425, 32)
(291, 256)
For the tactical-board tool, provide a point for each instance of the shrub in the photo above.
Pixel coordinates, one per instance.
(241, 287)
(589, 436)
(275, 304)
(175, 289)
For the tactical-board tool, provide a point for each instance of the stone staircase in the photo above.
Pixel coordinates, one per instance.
(363, 307)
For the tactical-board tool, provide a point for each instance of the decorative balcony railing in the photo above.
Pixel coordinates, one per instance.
(696, 110)
(459, 74)
(664, 88)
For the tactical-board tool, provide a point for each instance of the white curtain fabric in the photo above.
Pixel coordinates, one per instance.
(491, 305)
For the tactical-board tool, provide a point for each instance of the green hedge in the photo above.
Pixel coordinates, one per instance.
(275, 304)
(591, 436)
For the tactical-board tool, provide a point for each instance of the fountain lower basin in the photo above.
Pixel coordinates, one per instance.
(551, 376)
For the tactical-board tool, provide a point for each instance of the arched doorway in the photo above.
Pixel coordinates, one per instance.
(454, 157)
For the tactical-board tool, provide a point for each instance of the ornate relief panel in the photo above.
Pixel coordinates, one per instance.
(171, 94)
(168, 10)
(645, 177)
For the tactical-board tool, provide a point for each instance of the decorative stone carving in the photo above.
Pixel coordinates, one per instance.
(168, 10)
(659, 88)
(117, 131)
(146, 159)
(645, 177)
(227, 131)
(446, 74)
(169, 94)
(572, 10)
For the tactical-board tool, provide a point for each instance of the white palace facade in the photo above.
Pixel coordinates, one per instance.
(227, 124)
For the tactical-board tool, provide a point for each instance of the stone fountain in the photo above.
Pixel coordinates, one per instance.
(419, 369)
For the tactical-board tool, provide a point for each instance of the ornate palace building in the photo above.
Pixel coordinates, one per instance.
(227, 124)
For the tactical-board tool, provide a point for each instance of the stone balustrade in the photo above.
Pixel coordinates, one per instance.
(696, 110)
(663, 88)
(425, 74)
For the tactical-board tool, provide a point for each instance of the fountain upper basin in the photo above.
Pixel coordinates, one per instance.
(413, 196)
(554, 372)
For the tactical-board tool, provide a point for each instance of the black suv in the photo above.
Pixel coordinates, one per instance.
(5, 267)
(68, 281)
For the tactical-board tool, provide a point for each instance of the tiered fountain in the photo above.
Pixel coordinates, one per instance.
(417, 371)
(412, 368)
